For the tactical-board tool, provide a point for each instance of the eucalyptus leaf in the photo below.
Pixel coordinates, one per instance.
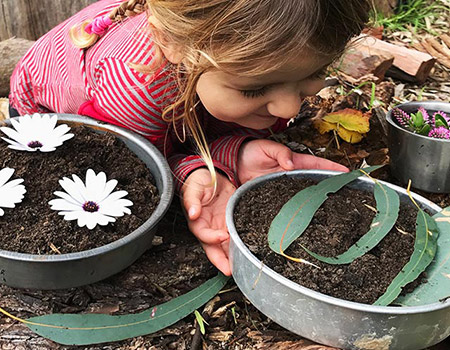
(425, 245)
(388, 205)
(437, 286)
(295, 216)
(86, 329)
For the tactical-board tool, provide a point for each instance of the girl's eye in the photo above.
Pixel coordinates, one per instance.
(254, 93)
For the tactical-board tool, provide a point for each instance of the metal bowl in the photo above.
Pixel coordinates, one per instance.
(326, 319)
(424, 160)
(89, 266)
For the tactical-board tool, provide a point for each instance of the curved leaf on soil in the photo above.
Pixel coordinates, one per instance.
(295, 216)
(425, 246)
(437, 286)
(388, 206)
(85, 329)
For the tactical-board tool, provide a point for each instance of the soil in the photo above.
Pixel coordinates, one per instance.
(32, 227)
(343, 219)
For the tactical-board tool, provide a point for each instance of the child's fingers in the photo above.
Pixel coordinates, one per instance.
(282, 154)
(307, 161)
(218, 258)
(206, 235)
(192, 203)
(226, 247)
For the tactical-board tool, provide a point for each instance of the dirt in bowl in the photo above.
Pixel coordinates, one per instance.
(32, 227)
(342, 219)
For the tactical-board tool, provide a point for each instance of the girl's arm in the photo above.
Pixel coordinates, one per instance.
(124, 97)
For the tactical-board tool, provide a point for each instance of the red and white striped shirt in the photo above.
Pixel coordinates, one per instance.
(56, 76)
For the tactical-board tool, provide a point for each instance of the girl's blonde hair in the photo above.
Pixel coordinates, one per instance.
(244, 37)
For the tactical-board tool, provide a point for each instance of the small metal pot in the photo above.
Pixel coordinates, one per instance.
(76, 269)
(424, 160)
(325, 319)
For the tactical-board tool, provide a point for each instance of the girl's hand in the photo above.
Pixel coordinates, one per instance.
(206, 216)
(260, 157)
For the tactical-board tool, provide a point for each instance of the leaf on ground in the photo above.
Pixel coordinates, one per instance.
(350, 119)
(295, 216)
(350, 124)
(388, 205)
(349, 136)
(437, 286)
(322, 126)
(86, 329)
(425, 246)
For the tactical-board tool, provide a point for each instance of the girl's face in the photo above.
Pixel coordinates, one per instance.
(257, 102)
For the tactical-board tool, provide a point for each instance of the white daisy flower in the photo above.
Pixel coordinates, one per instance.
(36, 132)
(91, 204)
(10, 192)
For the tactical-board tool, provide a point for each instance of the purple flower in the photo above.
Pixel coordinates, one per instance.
(440, 133)
(402, 117)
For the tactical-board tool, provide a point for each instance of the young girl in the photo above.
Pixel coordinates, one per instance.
(203, 80)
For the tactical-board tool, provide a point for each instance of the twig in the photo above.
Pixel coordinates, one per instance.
(250, 317)
(53, 247)
(336, 139)
(348, 159)
(259, 276)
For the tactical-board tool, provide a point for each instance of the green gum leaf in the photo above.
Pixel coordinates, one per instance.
(295, 216)
(388, 204)
(437, 286)
(86, 329)
(425, 246)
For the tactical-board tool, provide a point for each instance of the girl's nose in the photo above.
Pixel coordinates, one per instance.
(285, 104)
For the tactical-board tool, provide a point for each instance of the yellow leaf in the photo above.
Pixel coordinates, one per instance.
(350, 136)
(350, 119)
(323, 126)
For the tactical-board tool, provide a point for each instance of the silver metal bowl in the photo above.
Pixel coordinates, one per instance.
(76, 269)
(424, 160)
(325, 319)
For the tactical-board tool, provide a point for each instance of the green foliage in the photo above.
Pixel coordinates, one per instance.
(437, 286)
(440, 120)
(410, 15)
(233, 312)
(425, 247)
(420, 124)
(373, 102)
(201, 321)
(388, 205)
(86, 329)
(295, 216)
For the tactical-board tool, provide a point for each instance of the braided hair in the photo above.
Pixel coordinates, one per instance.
(87, 33)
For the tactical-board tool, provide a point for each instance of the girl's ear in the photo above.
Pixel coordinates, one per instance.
(171, 52)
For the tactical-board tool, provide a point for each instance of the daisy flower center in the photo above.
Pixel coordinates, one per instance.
(90, 207)
(34, 144)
